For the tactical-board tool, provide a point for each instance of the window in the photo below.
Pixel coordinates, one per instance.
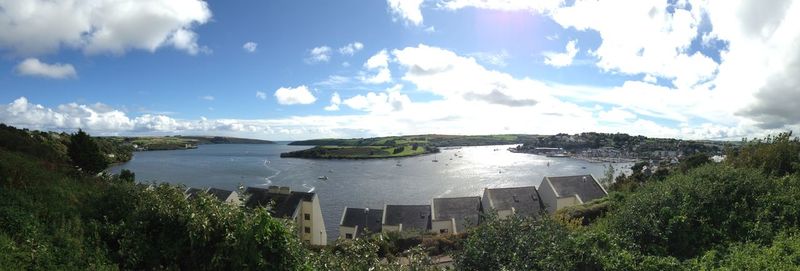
(307, 216)
(308, 229)
(348, 236)
(442, 231)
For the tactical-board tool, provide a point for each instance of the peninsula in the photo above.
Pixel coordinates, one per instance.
(154, 143)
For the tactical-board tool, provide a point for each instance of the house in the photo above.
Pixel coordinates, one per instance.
(406, 217)
(358, 222)
(226, 196)
(521, 201)
(301, 207)
(563, 191)
(455, 215)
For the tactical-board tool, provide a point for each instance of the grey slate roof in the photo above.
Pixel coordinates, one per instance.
(584, 186)
(220, 194)
(191, 192)
(284, 204)
(525, 200)
(465, 210)
(411, 216)
(353, 217)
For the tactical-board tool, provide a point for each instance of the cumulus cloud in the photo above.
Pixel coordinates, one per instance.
(406, 10)
(34, 67)
(319, 54)
(351, 48)
(207, 98)
(498, 59)
(296, 95)
(36, 27)
(261, 95)
(383, 102)
(379, 65)
(336, 100)
(250, 46)
(564, 59)
(654, 37)
(449, 75)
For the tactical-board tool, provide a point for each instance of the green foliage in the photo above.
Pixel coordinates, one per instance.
(715, 204)
(778, 155)
(519, 244)
(127, 175)
(85, 153)
(782, 254)
(693, 161)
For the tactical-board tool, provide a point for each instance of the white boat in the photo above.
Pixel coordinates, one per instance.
(323, 177)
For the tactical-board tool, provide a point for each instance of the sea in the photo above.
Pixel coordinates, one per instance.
(455, 172)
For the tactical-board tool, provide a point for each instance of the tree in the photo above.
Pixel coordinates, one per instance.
(127, 175)
(608, 176)
(85, 153)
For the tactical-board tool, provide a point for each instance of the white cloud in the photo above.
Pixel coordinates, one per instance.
(207, 98)
(618, 115)
(564, 59)
(351, 48)
(319, 54)
(430, 29)
(379, 63)
(34, 67)
(296, 95)
(649, 39)
(650, 79)
(407, 10)
(336, 100)
(36, 27)
(250, 46)
(261, 95)
(493, 58)
(383, 102)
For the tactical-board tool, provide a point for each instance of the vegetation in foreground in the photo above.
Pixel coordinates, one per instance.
(742, 214)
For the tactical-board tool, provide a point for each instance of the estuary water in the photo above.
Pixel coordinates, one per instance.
(464, 171)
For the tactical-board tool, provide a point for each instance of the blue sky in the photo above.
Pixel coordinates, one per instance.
(289, 70)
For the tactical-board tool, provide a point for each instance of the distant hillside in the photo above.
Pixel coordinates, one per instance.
(432, 140)
(152, 143)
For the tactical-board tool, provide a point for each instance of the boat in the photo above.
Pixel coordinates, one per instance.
(323, 177)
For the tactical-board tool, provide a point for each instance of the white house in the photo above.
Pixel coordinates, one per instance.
(563, 191)
(455, 215)
(357, 222)
(522, 201)
(301, 207)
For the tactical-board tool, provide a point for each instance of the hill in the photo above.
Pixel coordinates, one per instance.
(152, 143)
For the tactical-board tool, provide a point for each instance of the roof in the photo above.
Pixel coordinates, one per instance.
(465, 210)
(411, 216)
(363, 218)
(525, 200)
(191, 192)
(585, 186)
(220, 194)
(283, 204)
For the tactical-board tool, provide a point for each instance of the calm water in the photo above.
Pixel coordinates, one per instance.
(356, 183)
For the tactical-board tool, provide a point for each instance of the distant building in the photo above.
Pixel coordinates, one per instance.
(302, 207)
(522, 201)
(226, 196)
(563, 191)
(455, 215)
(357, 222)
(406, 218)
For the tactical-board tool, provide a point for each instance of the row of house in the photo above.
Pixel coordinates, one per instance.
(455, 215)
(301, 207)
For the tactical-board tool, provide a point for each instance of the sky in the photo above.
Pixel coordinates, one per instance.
(296, 69)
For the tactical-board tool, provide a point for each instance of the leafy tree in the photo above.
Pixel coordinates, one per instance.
(127, 175)
(85, 154)
(778, 155)
(693, 161)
